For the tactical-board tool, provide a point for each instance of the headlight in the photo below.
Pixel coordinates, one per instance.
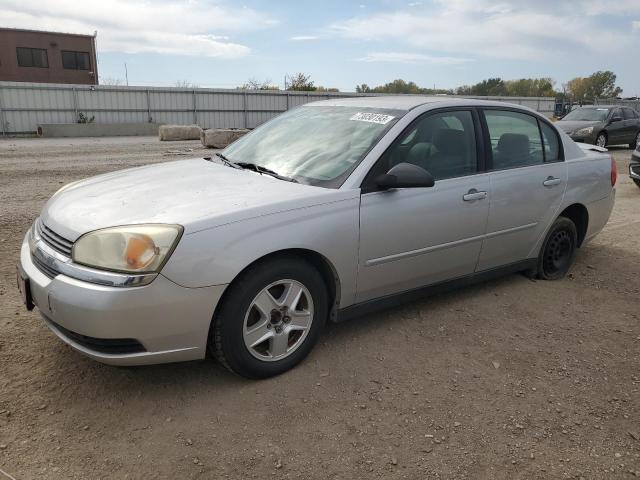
(130, 249)
(584, 131)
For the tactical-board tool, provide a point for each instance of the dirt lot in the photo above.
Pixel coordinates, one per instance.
(509, 379)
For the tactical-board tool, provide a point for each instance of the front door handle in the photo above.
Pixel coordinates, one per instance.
(473, 195)
(551, 181)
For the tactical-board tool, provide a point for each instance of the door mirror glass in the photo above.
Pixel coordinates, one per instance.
(405, 175)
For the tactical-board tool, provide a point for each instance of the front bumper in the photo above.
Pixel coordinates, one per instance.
(634, 168)
(168, 322)
(583, 138)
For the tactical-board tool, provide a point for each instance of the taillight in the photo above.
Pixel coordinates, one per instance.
(614, 172)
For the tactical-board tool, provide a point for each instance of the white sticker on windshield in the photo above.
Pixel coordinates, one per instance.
(380, 118)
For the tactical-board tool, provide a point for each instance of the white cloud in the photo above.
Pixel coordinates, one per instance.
(516, 29)
(304, 38)
(404, 57)
(191, 27)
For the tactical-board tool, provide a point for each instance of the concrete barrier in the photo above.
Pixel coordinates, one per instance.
(51, 130)
(179, 132)
(221, 137)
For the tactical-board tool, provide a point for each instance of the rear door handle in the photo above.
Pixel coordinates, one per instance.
(551, 181)
(473, 195)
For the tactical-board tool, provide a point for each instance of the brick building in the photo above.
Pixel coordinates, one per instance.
(47, 57)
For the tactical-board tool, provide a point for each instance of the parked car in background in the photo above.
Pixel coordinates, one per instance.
(324, 212)
(603, 125)
(634, 166)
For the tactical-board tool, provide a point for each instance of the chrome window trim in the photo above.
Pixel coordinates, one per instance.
(65, 266)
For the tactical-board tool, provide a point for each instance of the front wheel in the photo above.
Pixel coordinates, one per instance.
(559, 250)
(270, 319)
(601, 140)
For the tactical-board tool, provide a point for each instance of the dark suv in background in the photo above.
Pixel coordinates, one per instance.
(603, 125)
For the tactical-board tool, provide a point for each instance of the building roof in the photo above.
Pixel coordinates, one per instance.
(7, 29)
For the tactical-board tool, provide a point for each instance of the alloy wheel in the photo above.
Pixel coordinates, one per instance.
(601, 141)
(278, 320)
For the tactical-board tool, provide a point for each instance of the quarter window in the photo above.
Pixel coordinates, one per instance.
(75, 60)
(443, 144)
(515, 139)
(32, 57)
(551, 143)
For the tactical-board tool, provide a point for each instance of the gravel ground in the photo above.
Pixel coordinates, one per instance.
(505, 380)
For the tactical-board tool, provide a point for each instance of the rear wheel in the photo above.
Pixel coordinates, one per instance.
(270, 319)
(601, 139)
(559, 250)
(636, 142)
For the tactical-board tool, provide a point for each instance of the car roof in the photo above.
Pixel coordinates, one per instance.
(408, 102)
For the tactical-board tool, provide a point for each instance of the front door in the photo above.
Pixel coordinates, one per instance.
(527, 183)
(411, 237)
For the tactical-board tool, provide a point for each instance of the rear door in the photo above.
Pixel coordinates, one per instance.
(616, 130)
(630, 124)
(411, 237)
(527, 183)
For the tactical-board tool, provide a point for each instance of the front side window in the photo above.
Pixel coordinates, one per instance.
(75, 60)
(32, 57)
(443, 144)
(629, 114)
(515, 139)
(316, 145)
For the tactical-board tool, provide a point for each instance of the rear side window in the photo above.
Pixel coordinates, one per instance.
(515, 139)
(628, 114)
(551, 143)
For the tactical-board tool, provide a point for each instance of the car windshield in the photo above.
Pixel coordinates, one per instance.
(588, 115)
(315, 145)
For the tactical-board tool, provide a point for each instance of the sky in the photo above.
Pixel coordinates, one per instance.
(441, 43)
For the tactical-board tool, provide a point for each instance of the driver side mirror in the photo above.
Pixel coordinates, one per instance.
(405, 175)
(616, 119)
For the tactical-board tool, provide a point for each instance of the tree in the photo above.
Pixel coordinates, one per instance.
(601, 84)
(364, 88)
(185, 84)
(326, 89)
(253, 84)
(111, 81)
(530, 87)
(300, 82)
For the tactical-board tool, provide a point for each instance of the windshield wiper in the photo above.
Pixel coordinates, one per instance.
(264, 170)
(226, 161)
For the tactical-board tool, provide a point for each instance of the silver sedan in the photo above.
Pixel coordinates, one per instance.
(321, 214)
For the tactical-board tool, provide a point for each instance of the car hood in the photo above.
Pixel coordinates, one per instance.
(571, 126)
(195, 193)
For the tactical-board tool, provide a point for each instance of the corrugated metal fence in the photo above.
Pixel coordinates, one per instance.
(23, 106)
(635, 104)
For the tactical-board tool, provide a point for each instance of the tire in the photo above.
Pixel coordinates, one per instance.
(253, 313)
(636, 142)
(601, 139)
(636, 181)
(559, 250)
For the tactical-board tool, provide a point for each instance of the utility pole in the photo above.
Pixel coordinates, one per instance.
(126, 74)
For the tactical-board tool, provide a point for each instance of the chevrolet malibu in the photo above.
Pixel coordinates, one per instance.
(328, 211)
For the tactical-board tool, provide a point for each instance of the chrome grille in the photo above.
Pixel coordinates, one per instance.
(55, 241)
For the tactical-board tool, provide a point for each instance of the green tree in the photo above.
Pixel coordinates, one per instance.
(602, 84)
(300, 82)
(364, 88)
